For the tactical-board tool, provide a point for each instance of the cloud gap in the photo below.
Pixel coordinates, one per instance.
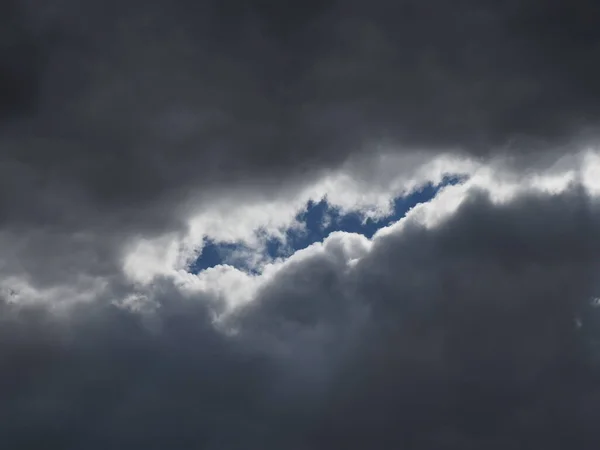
(314, 223)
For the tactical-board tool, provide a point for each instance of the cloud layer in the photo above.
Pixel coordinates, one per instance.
(458, 334)
(130, 132)
(120, 106)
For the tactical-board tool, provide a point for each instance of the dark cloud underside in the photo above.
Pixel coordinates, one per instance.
(433, 342)
(118, 119)
(129, 104)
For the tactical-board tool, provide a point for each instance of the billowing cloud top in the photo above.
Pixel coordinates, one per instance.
(131, 133)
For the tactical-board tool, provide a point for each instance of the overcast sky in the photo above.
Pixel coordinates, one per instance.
(401, 198)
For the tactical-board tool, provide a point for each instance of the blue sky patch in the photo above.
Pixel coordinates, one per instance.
(320, 219)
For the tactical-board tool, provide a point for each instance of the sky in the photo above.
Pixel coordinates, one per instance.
(315, 221)
(305, 225)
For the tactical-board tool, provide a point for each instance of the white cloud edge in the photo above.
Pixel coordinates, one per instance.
(348, 189)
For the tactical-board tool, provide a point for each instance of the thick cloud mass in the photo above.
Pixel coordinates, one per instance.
(125, 104)
(132, 130)
(457, 336)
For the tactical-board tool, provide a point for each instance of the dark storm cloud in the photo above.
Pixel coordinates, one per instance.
(123, 107)
(460, 336)
(463, 347)
(20, 68)
(471, 342)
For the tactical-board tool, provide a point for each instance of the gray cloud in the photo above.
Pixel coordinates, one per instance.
(473, 344)
(114, 114)
(458, 336)
(120, 108)
(119, 118)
